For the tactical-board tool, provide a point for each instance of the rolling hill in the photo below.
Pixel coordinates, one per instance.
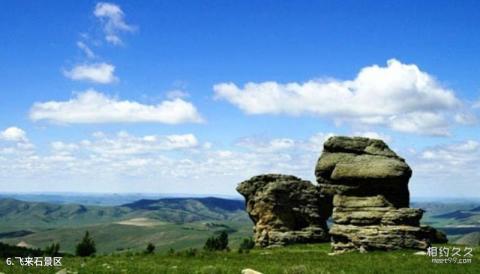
(184, 210)
(466, 216)
(471, 239)
(175, 210)
(167, 222)
(30, 215)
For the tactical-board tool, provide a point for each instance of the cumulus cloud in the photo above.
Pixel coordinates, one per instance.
(113, 20)
(103, 158)
(420, 122)
(13, 134)
(101, 73)
(94, 107)
(399, 96)
(175, 162)
(181, 162)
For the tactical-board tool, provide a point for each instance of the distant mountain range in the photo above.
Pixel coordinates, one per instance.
(167, 222)
(173, 210)
(467, 217)
(102, 199)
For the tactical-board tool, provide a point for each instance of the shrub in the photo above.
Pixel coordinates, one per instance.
(150, 248)
(13, 251)
(247, 244)
(52, 250)
(86, 247)
(217, 243)
(171, 252)
(191, 252)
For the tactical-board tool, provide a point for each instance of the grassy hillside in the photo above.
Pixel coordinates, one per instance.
(179, 210)
(471, 239)
(454, 219)
(183, 210)
(177, 223)
(290, 260)
(38, 215)
(117, 237)
(168, 223)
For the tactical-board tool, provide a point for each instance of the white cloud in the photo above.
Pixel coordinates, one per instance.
(182, 141)
(313, 144)
(373, 135)
(399, 96)
(447, 170)
(453, 154)
(101, 73)
(13, 134)
(466, 118)
(63, 147)
(181, 163)
(94, 107)
(126, 144)
(476, 104)
(86, 49)
(113, 20)
(177, 93)
(272, 145)
(177, 162)
(420, 122)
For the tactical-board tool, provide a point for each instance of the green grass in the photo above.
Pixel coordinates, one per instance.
(115, 237)
(289, 260)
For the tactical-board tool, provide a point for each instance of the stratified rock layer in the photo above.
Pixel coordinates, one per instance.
(369, 186)
(285, 210)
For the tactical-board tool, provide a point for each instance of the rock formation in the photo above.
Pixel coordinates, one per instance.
(362, 184)
(369, 186)
(285, 210)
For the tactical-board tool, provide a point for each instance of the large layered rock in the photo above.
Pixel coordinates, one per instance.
(369, 186)
(285, 210)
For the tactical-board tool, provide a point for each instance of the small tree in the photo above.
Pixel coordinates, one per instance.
(52, 250)
(150, 248)
(247, 244)
(217, 243)
(210, 244)
(223, 241)
(86, 247)
(171, 251)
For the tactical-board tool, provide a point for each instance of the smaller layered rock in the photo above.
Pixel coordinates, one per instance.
(285, 210)
(369, 186)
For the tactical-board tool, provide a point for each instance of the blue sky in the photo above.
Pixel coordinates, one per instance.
(195, 96)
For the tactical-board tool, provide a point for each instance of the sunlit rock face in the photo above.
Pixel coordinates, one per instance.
(285, 210)
(368, 183)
